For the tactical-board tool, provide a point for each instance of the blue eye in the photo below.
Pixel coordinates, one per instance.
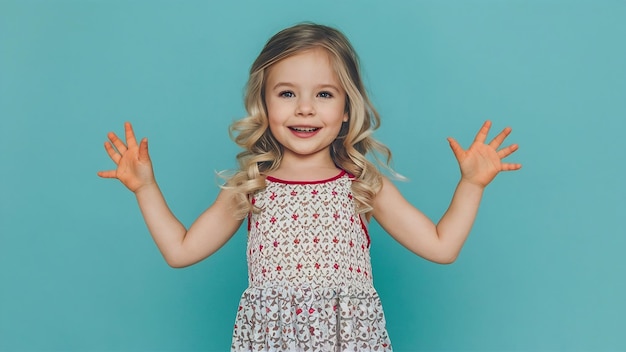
(325, 94)
(286, 94)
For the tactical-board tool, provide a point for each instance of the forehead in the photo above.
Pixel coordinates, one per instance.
(312, 66)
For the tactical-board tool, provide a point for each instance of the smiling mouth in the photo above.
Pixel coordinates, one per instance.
(304, 129)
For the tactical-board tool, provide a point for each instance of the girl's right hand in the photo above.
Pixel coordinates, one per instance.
(134, 168)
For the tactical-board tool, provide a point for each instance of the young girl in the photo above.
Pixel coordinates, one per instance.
(308, 191)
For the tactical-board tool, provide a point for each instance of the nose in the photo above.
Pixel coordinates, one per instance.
(305, 107)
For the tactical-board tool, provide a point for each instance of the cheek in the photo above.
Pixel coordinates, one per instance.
(273, 116)
(274, 108)
(274, 120)
(270, 111)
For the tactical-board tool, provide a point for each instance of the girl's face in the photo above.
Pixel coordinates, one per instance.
(305, 105)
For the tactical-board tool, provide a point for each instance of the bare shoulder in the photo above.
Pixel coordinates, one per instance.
(405, 223)
(226, 197)
(225, 207)
(211, 230)
(387, 193)
(391, 209)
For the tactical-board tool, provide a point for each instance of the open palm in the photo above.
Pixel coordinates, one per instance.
(481, 162)
(134, 168)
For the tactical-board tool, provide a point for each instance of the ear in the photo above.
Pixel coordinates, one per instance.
(345, 117)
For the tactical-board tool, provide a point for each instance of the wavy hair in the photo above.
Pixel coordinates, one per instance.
(262, 153)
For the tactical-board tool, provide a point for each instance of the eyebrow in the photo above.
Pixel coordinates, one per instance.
(321, 86)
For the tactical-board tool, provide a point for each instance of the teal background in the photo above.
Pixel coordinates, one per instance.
(543, 269)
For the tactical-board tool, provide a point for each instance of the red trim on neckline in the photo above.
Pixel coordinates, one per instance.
(277, 180)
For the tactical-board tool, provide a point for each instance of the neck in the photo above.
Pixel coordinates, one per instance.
(294, 167)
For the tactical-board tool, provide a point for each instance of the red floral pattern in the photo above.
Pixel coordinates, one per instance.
(308, 264)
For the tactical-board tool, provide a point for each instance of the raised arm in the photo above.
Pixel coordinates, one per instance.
(442, 243)
(180, 247)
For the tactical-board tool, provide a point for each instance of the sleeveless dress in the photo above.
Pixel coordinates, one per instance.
(309, 273)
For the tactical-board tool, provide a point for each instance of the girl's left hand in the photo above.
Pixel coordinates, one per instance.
(481, 162)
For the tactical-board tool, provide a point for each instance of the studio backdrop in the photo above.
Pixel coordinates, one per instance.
(543, 268)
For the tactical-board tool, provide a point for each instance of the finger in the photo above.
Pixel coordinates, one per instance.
(119, 145)
(511, 167)
(481, 136)
(113, 154)
(496, 142)
(456, 148)
(143, 150)
(107, 174)
(504, 152)
(130, 135)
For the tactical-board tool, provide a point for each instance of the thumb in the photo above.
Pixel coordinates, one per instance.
(143, 150)
(456, 148)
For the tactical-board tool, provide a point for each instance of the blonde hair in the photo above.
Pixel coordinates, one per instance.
(263, 154)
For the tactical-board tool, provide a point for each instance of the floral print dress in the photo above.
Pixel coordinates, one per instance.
(310, 277)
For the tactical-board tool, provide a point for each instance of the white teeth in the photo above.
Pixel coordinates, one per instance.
(304, 129)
